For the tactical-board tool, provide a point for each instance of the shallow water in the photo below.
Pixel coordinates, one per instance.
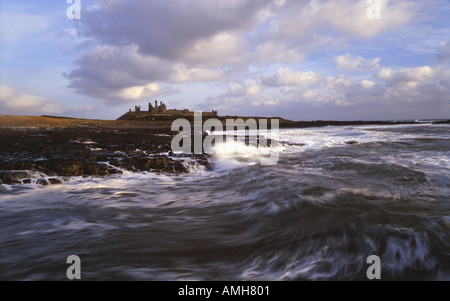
(316, 215)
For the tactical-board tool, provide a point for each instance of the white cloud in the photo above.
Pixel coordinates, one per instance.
(368, 84)
(338, 83)
(271, 52)
(239, 90)
(347, 16)
(351, 16)
(307, 26)
(236, 90)
(254, 89)
(139, 92)
(351, 62)
(421, 86)
(184, 75)
(265, 100)
(221, 49)
(403, 93)
(348, 61)
(289, 77)
(18, 103)
(418, 74)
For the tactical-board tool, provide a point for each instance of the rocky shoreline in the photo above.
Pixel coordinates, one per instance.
(50, 156)
(45, 151)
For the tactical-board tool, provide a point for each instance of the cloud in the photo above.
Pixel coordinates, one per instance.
(239, 90)
(421, 86)
(272, 52)
(118, 73)
(172, 42)
(18, 103)
(351, 62)
(403, 93)
(289, 77)
(122, 74)
(418, 74)
(142, 49)
(219, 50)
(139, 92)
(368, 84)
(221, 103)
(349, 17)
(338, 83)
(172, 30)
(444, 52)
(184, 75)
(265, 100)
(303, 27)
(254, 89)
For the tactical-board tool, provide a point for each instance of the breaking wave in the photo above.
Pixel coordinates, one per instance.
(316, 215)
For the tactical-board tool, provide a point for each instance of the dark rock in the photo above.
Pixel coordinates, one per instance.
(102, 157)
(12, 176)
(55, 181)
(113, 170)
(284, 143)
(55, 153)
(42, 182)
(70, 168)
(95, 169)
(351, 142)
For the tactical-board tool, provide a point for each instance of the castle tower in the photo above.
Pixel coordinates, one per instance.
(156, 106)
(162, 108)
(150, 108)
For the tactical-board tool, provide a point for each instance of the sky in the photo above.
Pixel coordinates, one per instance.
(295, 59)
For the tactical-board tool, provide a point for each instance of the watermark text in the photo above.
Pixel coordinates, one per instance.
(374, 10)
(374, 271)
(73, 271)
(74, 11)
(236, 132)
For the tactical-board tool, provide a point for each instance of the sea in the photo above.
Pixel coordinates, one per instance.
(337, 196)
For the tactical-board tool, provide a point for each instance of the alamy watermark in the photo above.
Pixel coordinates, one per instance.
(254, 137)
(74, 270)
(374, 271)
(74, 11)
(374, 10)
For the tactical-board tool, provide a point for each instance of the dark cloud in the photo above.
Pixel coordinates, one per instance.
(106, 70)
(144, 42)
(167, 29)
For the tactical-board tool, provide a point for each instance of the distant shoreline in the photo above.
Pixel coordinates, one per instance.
(12, 121)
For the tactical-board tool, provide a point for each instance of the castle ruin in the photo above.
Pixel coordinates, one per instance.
(161, 109)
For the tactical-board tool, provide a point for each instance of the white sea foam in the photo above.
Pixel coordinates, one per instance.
(332, 136)
(236, 154)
